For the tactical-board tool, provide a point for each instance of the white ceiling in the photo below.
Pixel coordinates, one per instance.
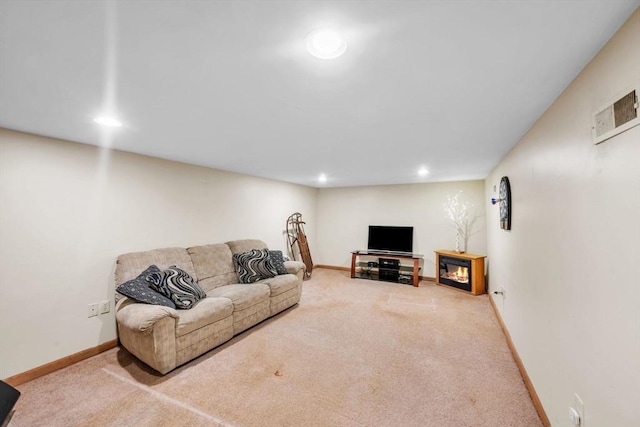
(446, 85)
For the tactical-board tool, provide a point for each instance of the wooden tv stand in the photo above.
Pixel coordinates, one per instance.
(413, 272)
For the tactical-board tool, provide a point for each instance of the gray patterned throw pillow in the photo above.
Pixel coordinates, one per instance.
(139, 290)
(278, 261)
(254, 265)
(177, 285)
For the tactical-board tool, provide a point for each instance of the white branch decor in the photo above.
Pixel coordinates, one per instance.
(457, 211)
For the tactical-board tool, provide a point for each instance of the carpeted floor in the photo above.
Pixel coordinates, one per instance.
(352, 353)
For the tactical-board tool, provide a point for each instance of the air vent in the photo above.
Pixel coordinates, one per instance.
(616, 117)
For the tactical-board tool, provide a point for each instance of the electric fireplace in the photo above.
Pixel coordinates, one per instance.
(455, 272)
(461, 271)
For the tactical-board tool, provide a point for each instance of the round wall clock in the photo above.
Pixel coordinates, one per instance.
(505, 204)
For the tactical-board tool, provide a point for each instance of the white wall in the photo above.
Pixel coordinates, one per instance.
(571, 264)
(67, 210)
(344, 216)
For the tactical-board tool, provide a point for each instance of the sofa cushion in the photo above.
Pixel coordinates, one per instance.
(238, 246)
(206, 312)
(280, 284)
(242, 296)
(128, 266)
(277, 259)
(177, 285)
(253, 265)
(139, 290)
(213, 265)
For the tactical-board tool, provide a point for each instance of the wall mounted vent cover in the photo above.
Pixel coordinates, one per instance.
(616, 117)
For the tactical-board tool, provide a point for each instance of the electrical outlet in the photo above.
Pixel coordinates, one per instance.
(500, 292)
(105, 306)
(93, 310)
(574, 417)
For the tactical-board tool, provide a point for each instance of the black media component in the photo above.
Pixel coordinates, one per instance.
(390, 239)
(8, 398)
(389, 269)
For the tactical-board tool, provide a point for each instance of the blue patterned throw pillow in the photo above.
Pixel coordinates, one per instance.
(177, 285)
(277, 259)
(254, 265)
(139, 290)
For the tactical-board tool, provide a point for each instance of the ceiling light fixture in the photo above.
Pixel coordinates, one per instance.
(322, 178)
(423, 171)
(326, 44)
(107, 121)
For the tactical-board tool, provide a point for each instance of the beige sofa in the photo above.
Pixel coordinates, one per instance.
(165, 338)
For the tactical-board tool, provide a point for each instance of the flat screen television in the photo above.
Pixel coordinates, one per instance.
(385, 238)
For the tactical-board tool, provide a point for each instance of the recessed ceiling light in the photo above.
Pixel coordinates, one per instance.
(423, 171)
(326, 44)
(107, 121)
(322, 178)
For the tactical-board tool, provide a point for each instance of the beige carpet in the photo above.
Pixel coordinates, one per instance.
(352, 353)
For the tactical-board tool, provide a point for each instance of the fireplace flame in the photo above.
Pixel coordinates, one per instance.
(461, 274)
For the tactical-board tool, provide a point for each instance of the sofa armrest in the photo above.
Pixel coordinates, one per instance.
(148, 332)
(293, 267)
(141, 317)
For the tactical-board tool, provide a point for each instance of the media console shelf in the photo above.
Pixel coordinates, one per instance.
(388, 271)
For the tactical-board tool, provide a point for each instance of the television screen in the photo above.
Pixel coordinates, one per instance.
(390, 238)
